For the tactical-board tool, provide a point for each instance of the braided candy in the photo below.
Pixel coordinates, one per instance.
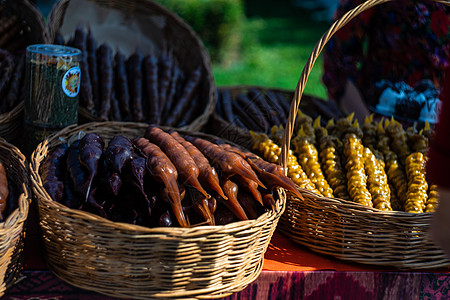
(395, 173)
(309, 160)
(377, 181)
(433, 199)
(331, 165)
(417, 193)
(356, 176)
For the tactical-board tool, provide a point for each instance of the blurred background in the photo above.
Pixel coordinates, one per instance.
(254, 42)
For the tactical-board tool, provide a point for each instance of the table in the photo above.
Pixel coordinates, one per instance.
(290, 271)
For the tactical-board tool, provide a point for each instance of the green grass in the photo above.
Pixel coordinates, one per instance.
(274, 52)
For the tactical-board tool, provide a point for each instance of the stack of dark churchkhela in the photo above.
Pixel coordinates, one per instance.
(144, 87)
(162, 179)
(258, 109)
(12, 73)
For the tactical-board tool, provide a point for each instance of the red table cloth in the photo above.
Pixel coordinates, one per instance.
(290, 271)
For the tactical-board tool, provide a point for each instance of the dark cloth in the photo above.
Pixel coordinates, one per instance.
(438, 167)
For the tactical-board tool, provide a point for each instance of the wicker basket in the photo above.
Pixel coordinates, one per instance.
(12, 230)
(143, 22)
(131, 261)
(33, 31)
(310, 105)
(351, 231)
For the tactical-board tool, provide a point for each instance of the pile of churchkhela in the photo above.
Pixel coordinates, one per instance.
(379, 164)
(162, 179)
(258, 109)
(143, 87)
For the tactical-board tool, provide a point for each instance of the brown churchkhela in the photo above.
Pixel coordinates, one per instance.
(250, 186)
(229, 162)
(231, 189)
(271, 175)
(136, 181)
(163, 171)
(186, 166)
(200, 205)
(207, 174)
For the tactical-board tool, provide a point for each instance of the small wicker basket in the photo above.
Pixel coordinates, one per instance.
(33, 31)
(131, 261)
(12, 230)
(347, 230)
(144, 23)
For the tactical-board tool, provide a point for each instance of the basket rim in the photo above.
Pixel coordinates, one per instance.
(44, 199)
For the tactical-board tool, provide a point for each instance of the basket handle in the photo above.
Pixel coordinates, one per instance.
(310, 63)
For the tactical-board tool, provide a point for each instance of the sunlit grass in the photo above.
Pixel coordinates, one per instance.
(274, 53)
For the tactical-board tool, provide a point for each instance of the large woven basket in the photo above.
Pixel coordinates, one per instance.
(310, 105)
(12, 230)
(347, 230)
(33, 31)
(131, 261)
(144, 23)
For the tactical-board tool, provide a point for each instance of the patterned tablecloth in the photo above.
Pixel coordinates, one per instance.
(290, 272)
(274, 285)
